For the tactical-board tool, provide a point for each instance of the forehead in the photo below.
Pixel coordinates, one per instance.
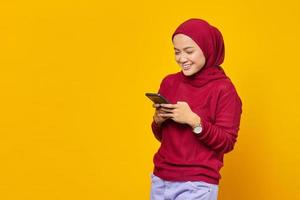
(181, 41)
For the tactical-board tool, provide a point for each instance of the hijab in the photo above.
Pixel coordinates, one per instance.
(210, 40)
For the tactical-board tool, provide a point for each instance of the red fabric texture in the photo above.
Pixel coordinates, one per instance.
(183, 155)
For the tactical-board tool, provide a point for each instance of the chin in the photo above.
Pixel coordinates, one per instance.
(188, 73)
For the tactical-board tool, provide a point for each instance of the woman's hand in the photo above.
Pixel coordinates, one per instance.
(181, 113)
(157, 115)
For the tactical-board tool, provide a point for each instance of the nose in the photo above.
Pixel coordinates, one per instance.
(182, 58)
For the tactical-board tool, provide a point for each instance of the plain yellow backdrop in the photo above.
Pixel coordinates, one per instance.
(75, 123)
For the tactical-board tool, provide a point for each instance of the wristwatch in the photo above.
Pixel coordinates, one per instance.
(197, 129)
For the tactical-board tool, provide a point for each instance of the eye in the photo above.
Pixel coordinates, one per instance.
(189, 52)
(176, 52)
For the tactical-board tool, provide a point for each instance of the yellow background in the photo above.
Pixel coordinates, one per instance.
(75, 123)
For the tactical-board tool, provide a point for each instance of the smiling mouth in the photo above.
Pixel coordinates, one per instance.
(186, 67)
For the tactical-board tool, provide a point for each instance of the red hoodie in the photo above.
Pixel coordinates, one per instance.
(183, 155)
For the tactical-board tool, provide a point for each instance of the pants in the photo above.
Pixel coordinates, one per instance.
(189, 190)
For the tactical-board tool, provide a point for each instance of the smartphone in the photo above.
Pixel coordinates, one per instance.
(157, 98)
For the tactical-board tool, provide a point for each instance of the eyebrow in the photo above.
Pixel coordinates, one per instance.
(183, 48)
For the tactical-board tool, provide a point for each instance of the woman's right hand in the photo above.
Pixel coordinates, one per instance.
(159, 110)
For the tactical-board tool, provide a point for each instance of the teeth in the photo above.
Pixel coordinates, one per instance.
(186, 66)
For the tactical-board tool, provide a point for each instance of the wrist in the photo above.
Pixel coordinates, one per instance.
(195, 120)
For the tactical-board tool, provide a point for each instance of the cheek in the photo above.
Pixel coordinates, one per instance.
(199, 63)
(195, 58)
(200, 59)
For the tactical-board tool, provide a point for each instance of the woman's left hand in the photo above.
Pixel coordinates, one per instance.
(180, 112)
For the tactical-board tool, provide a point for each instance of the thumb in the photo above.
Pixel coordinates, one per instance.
(156, 105)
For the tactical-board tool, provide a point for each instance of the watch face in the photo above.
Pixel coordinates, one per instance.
(197, 129)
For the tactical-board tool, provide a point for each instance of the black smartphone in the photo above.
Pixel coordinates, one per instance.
(157, 98)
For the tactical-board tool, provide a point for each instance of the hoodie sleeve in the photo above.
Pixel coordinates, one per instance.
(156, 131)
(221, 135)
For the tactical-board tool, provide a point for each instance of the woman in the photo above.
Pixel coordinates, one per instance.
(201, 123)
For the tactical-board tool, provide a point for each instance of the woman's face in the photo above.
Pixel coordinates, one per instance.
(188, 54)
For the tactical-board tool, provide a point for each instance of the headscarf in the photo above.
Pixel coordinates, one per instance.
(210, 41)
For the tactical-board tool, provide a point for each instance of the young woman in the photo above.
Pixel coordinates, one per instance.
(201, 123)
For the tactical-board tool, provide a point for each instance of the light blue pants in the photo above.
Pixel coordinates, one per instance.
(189, 190)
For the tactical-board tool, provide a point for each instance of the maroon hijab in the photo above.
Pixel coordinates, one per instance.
(210, 40)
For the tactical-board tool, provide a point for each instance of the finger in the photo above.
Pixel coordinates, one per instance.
(166, 115)
(168, 105)
(164, 118)
(166, 110)
(156, 105)
(182, 103)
